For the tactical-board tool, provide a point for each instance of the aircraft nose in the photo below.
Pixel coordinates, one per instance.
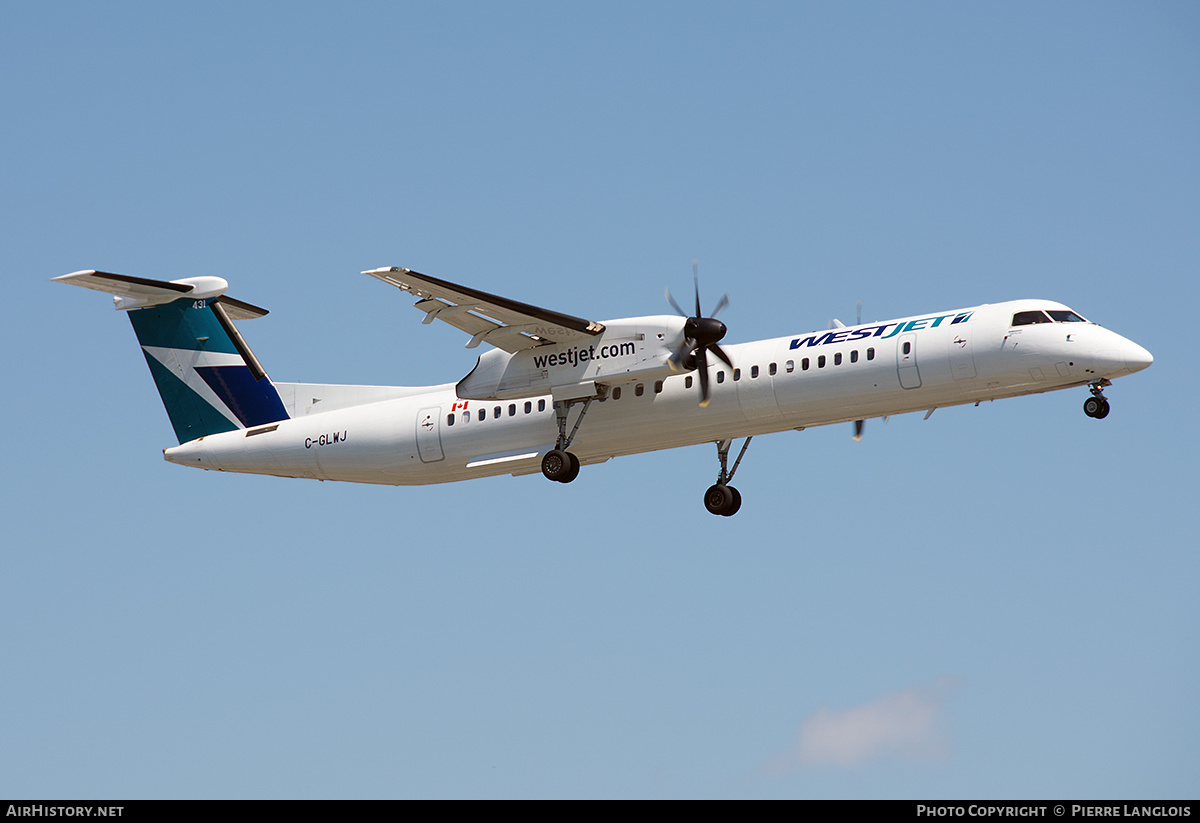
(1136, 358)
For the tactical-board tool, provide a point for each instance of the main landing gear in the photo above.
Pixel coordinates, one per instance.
(722, 498)
(1097, 405)
(559, 464)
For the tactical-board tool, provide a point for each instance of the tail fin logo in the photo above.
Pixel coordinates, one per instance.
(204, 379)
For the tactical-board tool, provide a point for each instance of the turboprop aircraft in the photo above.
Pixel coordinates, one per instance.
(556, 392)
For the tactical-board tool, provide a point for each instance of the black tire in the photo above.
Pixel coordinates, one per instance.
(573, 470)
(1092, 406)
(1103, 411)
(718, 499)
(736, 504)
(556, 465)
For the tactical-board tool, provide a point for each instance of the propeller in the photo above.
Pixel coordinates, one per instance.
(701, 335)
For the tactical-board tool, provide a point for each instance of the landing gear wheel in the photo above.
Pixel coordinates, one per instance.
(717, 498)
(573, 472)
(557, 466)
(1096, 407)
(723, 500)
(737, 502)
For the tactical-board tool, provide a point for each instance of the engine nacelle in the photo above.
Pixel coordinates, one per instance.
(628, 351)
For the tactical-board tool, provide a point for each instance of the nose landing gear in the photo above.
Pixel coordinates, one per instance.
(1097, 405)
(722, 498)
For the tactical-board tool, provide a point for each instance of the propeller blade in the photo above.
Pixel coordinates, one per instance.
(719, 352)
(678, 359)
(675, 305)
(700, 336)
(858, 430)
(702, 368)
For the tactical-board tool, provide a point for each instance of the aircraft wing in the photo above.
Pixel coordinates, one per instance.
(504, 323)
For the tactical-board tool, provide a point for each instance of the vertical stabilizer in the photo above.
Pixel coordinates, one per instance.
(208, 378)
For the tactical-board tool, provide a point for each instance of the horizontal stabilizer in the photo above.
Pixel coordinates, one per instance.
(140, 292)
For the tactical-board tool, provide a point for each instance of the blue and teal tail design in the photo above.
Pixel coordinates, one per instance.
(208, 378)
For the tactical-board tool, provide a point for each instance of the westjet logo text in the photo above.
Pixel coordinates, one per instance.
(573, 357)
(846, 335)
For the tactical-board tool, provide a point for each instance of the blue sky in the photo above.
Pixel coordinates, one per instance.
(996, 602)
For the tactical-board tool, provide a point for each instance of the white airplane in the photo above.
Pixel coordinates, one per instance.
(557, 392)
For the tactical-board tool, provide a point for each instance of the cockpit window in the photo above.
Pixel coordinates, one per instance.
(1063, 316)
(1029, 318)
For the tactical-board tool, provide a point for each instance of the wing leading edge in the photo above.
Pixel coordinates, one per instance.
(488, 318)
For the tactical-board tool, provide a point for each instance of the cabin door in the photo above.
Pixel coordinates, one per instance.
(906, 361)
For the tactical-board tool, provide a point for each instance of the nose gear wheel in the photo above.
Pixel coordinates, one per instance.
(722, 498)
(1096, 406)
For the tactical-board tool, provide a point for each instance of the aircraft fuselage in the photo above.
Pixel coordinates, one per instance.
(432, 435)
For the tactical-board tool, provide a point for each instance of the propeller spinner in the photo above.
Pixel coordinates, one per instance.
(701, 335)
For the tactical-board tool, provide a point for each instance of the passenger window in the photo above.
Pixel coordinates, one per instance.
(617, 393)
(871, 354)
(658, 387)
(837, 359)
(541, 405)
(1029, 318)
(528, 407)
(789, 366)
(512, 409)
(450, 419)
(466, 417)
(721, 376)
(771, 369)
(804, 364)
(737, 375)
(639, 389)
(482, 415)
(753, 372)
(907, 347)
(854, 356)
(687, 382)
(821, 362)
(496, 413)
